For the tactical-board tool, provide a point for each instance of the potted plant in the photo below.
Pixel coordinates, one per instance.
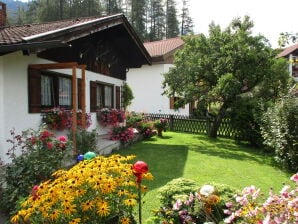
(160, 125)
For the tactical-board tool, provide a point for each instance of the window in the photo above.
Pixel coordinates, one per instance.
(101, 95)
(48, 90)
(173, 101)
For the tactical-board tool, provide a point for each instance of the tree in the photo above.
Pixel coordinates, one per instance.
(138, 17)
(172, 24)
(157, 21)
(220, 67)
(287, 38)
(186, 20)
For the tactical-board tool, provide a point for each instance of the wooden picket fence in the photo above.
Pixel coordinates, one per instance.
(202, 125)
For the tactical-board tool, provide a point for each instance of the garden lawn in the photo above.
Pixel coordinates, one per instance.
(204, 160)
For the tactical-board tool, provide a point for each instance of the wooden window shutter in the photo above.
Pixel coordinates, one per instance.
(172, 101)
(93, 99)
(79, 83)
(34, 90)
(118, 97)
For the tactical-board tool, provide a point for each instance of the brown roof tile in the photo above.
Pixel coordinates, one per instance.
(288, 51)
(163, 47)
(16, 34)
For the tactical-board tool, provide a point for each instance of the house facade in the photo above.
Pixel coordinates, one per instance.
(78, 64)
(291, 54)
(146, 82)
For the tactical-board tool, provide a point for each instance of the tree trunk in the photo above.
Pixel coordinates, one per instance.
(217, 121)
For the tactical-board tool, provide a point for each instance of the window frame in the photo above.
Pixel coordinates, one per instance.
(34, 90)
(94, 97)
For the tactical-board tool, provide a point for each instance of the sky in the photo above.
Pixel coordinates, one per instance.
(271, 17)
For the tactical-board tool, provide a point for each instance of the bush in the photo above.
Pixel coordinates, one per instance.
(245, 119)
(123, 134)
(193, 204)
(174, 188)
(146, 129)
(41, 154)
(101, 190)
(133, 119)
(280, 131)
(85, 140)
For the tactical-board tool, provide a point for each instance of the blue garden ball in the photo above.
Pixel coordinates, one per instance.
(80, 157)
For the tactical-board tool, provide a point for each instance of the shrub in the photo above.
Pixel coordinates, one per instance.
(101, 190)
(133, 119)
(174, 188)
(161, 124)
(123, 134)
(127, 95)
(146, 128)
(277, 208)
(245, 117)
(85, 140)
(280, 131)
(193, 204)
(41, 154)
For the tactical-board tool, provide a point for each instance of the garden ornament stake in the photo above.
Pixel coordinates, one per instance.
(140, 168)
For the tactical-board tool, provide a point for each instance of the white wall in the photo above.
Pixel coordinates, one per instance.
(14, 96)
(146, 84)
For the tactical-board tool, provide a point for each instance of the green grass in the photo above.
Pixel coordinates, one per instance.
(204, 160)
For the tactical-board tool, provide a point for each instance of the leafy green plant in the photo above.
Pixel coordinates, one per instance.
(280, 131)
(146, 129)
(189, 203)
(127, 95)
(85, 140)
(41, 154)
(175, 188)
(133, 119)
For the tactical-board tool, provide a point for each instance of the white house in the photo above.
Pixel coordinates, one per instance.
(146, 82)
(74, 64)
(291, 53)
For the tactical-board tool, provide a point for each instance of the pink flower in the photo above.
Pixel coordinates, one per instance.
(50, 145)
(62, 138)
(295, 177)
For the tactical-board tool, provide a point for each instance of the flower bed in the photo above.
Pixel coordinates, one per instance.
(101, 190)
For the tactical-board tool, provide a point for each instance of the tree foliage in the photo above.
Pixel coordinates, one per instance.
(151, 19)
(221, 66)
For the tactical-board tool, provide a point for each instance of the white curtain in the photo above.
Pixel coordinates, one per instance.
(46, 90)
(108, 96)
(64, 91)
(98, 97)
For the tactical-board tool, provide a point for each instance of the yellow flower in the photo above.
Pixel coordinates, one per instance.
(125, 220)
(68, 210)
(75, 221)
(103, 208)
(130, 202)
(54, 215)
(87, 205)
(15, 218)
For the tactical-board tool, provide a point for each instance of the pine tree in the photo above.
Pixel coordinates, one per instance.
(138, 17)
(157, 21)
(186, 20)
(172, 24)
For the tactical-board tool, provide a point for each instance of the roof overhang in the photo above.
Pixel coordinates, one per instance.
(31, 46)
